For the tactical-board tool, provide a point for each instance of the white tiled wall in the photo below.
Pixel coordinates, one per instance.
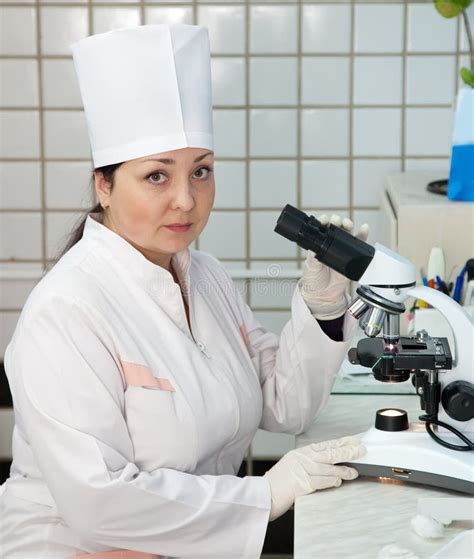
(314, 103)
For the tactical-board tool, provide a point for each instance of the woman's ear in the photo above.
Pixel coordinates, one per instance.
(102, 188)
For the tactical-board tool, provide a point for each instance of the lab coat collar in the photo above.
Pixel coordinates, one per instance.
(133, 260)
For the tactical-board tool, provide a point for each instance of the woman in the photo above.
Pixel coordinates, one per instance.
(139, 375)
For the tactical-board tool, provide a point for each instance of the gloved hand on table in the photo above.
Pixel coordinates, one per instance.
(323, 289)
(309, 468)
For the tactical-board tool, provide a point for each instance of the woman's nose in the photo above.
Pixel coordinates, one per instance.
(182, 197)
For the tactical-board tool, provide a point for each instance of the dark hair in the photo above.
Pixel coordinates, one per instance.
(76, 235)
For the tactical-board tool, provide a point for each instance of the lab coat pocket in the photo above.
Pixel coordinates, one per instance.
(158, 432)
(136, 374)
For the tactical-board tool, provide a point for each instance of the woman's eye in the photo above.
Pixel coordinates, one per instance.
(160, 178)
(203, 172)
(154, 178)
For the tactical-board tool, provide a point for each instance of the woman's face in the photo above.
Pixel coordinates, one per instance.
(155, 191)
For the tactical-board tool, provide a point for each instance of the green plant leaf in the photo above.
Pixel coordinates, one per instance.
(451, 8)
(467, 76)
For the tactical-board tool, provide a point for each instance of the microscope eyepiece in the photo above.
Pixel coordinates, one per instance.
(332, 246)
(290, 223)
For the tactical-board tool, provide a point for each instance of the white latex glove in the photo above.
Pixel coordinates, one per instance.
(323, 289)
(310, 468)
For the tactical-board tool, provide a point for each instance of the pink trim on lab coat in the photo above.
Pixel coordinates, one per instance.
(243, 333)
(125, 554)
(139, 375)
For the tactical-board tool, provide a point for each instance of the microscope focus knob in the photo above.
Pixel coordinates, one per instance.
(458, 400)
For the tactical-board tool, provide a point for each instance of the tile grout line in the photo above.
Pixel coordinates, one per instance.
(229, 158)
(380, 54)
(351, 110)
(195, 20)
(248, 226)
(247, 283)
(195, 11)
(299, 114)
(40, 109)
(217, 208)
(247, 141)
(90, 27)
(129, 3)
(255, 309)
(265, 107)
(404, 86)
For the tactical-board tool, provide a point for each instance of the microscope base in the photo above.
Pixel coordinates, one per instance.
(412, 456)
(414, 476)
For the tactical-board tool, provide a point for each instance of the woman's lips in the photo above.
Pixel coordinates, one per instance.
(178, 228)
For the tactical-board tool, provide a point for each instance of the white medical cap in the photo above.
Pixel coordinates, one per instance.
(145, 90)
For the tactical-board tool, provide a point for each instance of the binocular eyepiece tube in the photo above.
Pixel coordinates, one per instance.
(332, 246)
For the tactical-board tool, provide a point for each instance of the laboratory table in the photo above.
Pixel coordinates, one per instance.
(356, 520)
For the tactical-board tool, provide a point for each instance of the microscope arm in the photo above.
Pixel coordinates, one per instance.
(463, 331)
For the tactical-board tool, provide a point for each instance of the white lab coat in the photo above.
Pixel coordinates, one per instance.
(107, 457)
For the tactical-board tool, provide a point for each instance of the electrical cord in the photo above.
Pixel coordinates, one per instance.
(429, 421)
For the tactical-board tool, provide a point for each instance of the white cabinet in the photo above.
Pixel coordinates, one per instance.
(414, 220)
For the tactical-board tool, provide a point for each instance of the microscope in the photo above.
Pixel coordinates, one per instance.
(437, 449)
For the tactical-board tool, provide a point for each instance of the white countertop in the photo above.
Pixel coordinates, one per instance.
(356, 520)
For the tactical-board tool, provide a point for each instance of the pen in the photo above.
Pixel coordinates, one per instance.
(458, 285)
(441, 285)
